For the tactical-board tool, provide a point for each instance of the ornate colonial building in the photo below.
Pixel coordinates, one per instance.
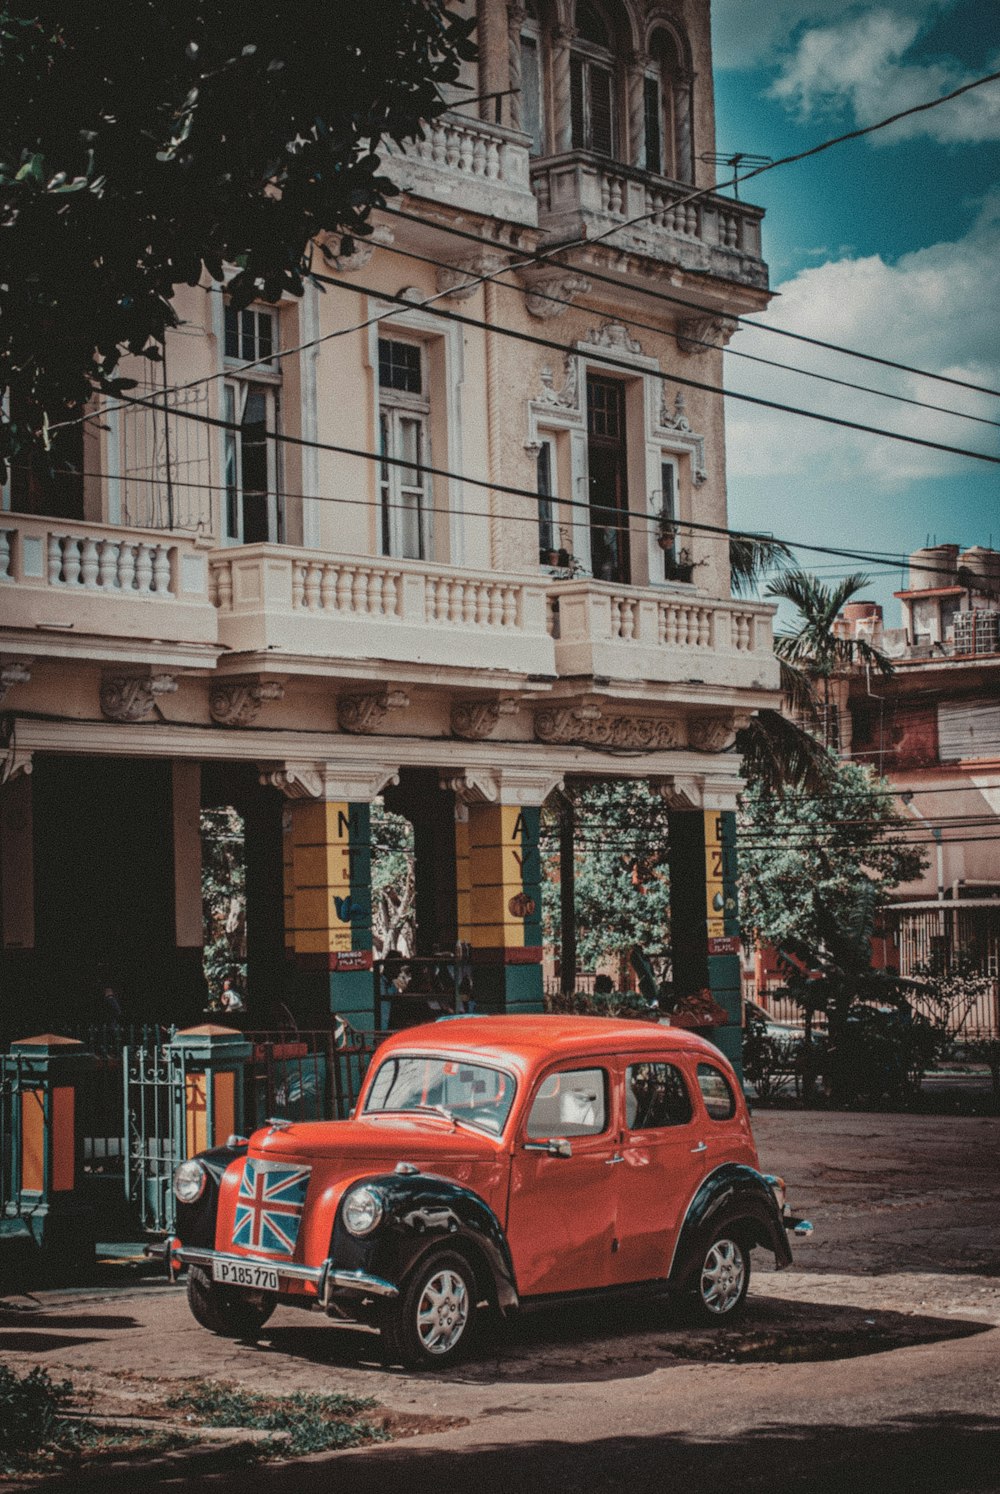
(413, 556)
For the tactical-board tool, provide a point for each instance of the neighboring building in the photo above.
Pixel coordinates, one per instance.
(193, 616)
(933, 729)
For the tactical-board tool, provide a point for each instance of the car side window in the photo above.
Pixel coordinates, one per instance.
(655, 1095)
(571, 1103)
(720, 1102)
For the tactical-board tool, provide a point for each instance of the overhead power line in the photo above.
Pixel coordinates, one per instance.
(546, 255)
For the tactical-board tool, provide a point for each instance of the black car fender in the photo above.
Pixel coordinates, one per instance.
(195, 1223)
(732, 1195)
(422, 1211)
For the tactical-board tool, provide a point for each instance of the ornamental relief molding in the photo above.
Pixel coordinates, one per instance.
(238, 702)
(15, 673)
(614, 336)
(474, 720)
(365, 714)
(672, 419)
(567, 397)
(712, 733)
(133, 697)
(701, 334)
(588, 726)
(462, 279)
(548, 296)
(381, 236)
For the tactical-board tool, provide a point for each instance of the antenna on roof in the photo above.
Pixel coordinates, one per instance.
(734, 162)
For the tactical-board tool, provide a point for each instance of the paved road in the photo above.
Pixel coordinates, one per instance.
(873, 1364)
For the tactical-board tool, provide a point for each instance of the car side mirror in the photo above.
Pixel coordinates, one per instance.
(556, 1146)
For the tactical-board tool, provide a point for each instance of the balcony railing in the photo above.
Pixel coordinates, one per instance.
(580, 193)
(274, 597)
(645, 634)
(99, 578)
(475, 165)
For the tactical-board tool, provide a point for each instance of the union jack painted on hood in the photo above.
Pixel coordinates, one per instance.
(269, 1207)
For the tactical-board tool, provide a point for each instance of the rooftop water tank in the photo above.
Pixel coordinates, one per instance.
(935, 565)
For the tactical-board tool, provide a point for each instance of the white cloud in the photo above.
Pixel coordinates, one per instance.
(746, 35)
(861, 61)
(936, 308)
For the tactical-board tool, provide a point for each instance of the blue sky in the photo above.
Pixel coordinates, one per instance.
(890, 244)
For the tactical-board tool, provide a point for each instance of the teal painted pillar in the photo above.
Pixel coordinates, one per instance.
(704, 919)
(211, 1065)
(46, 1077)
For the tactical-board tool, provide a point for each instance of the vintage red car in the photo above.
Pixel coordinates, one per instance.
(498, 1162)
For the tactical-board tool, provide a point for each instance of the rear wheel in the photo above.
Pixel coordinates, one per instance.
(225, 1310)
(722, 1280)
(431, 1323)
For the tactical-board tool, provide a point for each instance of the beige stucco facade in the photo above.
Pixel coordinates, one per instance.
(336, 623)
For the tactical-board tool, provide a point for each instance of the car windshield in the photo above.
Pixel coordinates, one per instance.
(468, 1093)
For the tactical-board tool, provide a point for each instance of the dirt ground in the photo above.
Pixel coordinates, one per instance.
(873, 1363)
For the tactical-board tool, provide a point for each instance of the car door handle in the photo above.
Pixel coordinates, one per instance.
(610, 1161)
(701, 1147)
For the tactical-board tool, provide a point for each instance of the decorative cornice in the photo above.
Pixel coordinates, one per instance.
(127, 697)
(15, 673)
(548, 296)
(461, 280)
(238, 702)
(365, 714)
(700, 334)
(473, 720)
(587, 725)
(330, 782)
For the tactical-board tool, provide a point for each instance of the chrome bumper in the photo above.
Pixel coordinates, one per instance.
(326, 1278)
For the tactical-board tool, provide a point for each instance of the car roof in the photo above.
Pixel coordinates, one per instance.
(525, 1042)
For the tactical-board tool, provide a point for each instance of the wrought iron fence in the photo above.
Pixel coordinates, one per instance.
(307, 1075)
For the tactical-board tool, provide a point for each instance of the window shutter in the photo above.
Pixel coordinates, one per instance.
(601, 125)
(654, 149)
(967, 731)
(576, 103)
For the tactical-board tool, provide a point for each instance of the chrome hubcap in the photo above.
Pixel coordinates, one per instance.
(722, 1276)
(443, 1311)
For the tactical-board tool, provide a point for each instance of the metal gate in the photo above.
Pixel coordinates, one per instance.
(155, 1097)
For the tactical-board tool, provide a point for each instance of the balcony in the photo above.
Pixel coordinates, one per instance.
(650, 636)
(98, 579)
(475, 166)
(285, 601)
(582, 195)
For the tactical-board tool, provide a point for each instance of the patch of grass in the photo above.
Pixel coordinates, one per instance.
(311, 1422)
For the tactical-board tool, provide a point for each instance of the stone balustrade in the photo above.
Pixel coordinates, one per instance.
(475, 165)
(647, 634)
(101, 578)
(275, 597)
(582, 194)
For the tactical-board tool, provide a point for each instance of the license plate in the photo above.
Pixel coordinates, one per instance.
(245, 1274)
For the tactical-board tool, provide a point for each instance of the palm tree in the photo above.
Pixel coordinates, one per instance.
(813, 652)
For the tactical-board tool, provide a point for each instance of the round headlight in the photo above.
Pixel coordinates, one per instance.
(189, 1182)
(362, 1210)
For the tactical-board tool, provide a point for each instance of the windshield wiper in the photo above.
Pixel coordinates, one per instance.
(449, 1115)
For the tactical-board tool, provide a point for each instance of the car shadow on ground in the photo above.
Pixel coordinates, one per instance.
(945, 1453)
(614, 1340)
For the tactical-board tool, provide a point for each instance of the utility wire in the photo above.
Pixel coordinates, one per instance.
(545, 255)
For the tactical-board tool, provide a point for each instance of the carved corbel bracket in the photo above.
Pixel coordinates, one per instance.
(712, 733)
(353, 783)
(472, 787)
(238, 702)
(127, 697)
(473, 720)
(15, 673)
(462, 279)
(363, 715)
(700, 334)
(683, 791)
(381, 236)
(15, 762)
(548, 296)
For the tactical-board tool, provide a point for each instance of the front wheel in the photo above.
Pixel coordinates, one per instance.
(225, 1310)
(722, 1279)
(431, 1323)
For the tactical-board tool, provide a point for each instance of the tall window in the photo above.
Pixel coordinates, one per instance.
(404, 444)
(668, 103)
(593, 102)
(251, 410)
(532, 122)
(545, 477)
(609, 548)
(49, 482)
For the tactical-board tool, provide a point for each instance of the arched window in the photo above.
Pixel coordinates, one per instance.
(532, 108)
(593, 82)
(667, 100)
